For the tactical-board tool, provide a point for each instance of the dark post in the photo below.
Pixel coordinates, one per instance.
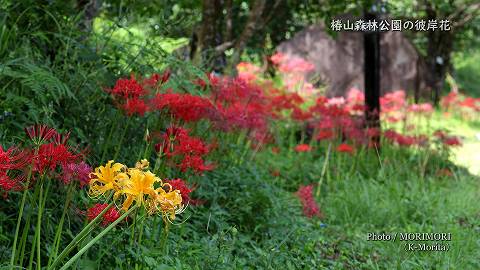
(371, 43)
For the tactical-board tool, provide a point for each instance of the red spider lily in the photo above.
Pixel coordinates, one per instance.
(400, 139)
(237, 90)
(310, 206)
(459, 103)
(390, 134)
(200, 83)
(291, 64)
(240, 105)
(303, 148)
(248, 71)
(373, 132)
(172, 133)
(179, 184)
(128, 88)
(191, 150)
(300, 115)
(355, 97)
(450, 100)
(260, 138)
(165, 76)
(152, 81)
(338, 102)
(325, 135)
(327, 123)
(195, 163)
(130, 95)
(405, 140)
(50, 155)
(452, 141)
(15, 158)
(212, 80)
(286, 101)
(40, 133)
(241, 116)
(135, 106)
(7, 183)
(277, 58)
(345, 148)
(76, 171)
(392, 119)
(110, 216)
(446, 139)
(187, 107)
(472, 103)
(156, 79)
(61, 138)
(424, 108)
(393, 102)
(440, 134)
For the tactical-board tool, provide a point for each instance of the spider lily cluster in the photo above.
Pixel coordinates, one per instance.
(48, 155)
(136, 186)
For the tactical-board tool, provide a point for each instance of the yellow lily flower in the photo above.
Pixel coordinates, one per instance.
(139, 185)
(169, 203)
(108, 177)
(143, 164)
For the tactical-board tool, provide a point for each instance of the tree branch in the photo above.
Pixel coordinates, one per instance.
(223, 47)
(467, 14)
(270, 14)
(228, 20)
(251, 25)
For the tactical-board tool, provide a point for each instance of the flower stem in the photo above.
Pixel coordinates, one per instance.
(58, 233)
(32, 252)
(19, 220)
(35, 200)
(79, 237)
(119, 145)
(139, 241)
(324, 169)
(94, 240)
(38, 227)
(155, 229)
(165, 237)
(107, 141)
(24, 240)
(132, 238)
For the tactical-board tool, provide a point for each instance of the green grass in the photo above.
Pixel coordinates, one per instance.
(399, 196)
(468, 155)
(259, 224)
(407, 205)
(467, 68)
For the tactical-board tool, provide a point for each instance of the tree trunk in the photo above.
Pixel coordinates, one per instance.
(439, 49)
(254, 19)
(90, 9)
(208, 35)
(371, 42)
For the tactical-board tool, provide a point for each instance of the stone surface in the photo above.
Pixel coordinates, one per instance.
(339, 60)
